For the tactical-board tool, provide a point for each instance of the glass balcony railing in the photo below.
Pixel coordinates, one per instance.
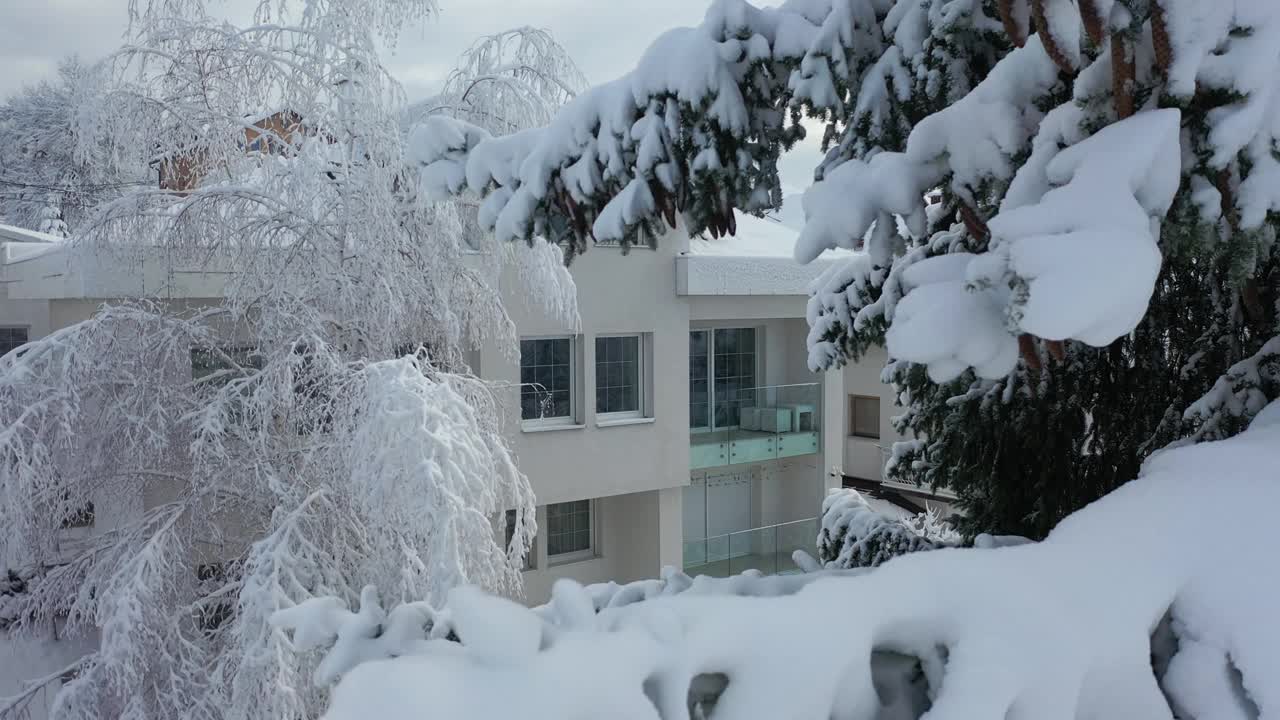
(756, 424)
(767, 549)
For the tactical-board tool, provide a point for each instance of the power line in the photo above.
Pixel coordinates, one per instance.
(77, 190)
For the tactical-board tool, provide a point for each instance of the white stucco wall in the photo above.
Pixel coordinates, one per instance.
(638, 534)
(617, 294)
(636, 473)
(863, 457)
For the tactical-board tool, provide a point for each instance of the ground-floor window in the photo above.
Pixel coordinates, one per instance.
(570, 531)
(12, 338)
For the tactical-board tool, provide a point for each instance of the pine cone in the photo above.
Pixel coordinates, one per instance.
(1122, 74)
(1041, 22)
(1092, 20)
(976, 226)
(1011, 27)
(1160, 38)
(1056, 349)
(1030, 354)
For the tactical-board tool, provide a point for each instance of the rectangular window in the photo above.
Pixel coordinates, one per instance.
(213, 613)
(699, 376)
(864, 416)
(12, 338)
(618, 376)
(510, 535)
(569, 531)
(224, 365)
(546, 379)
(206, 362)
(734, 373)
(80, 517)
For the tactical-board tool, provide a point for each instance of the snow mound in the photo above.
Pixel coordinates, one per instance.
(1069, 627)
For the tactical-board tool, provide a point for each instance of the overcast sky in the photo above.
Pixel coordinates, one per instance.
(605, 37)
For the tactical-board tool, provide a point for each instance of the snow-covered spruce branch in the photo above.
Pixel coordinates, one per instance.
(1125, 298)
(1078, 625)
(624, 157)
(853, 535)
(1237, 397)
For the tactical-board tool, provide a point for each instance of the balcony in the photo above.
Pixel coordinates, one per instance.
(767, 549)
(757, 424)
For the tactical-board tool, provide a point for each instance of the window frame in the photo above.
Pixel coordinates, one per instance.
(642, 402)
(593, 531)
(853, 416)
(574, 408)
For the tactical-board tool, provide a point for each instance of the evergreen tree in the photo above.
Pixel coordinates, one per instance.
(1073, 421)
(1092, 277)
(854, 534)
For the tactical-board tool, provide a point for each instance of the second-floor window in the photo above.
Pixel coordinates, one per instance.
(546, 379)
(722, 376)
(619, 374)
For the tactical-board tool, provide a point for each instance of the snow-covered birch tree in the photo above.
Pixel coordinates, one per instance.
(301, 424)
(505, 84)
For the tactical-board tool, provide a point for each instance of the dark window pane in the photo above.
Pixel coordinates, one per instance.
(546, 384)
(865, 416)
(12, 338)
(569, 527)
(726, 341)
(698, 343)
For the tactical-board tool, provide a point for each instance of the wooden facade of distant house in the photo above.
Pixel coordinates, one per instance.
(181, 172)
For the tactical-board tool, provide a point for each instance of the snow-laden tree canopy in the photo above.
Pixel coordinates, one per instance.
(1068, 210)
(47, 184)
(506, 82)
(1120, 612)
(309, 427)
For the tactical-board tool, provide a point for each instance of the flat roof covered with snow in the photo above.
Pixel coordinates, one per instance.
(758, 260)
(12, 233)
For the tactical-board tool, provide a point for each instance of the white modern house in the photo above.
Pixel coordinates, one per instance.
(678, 425)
